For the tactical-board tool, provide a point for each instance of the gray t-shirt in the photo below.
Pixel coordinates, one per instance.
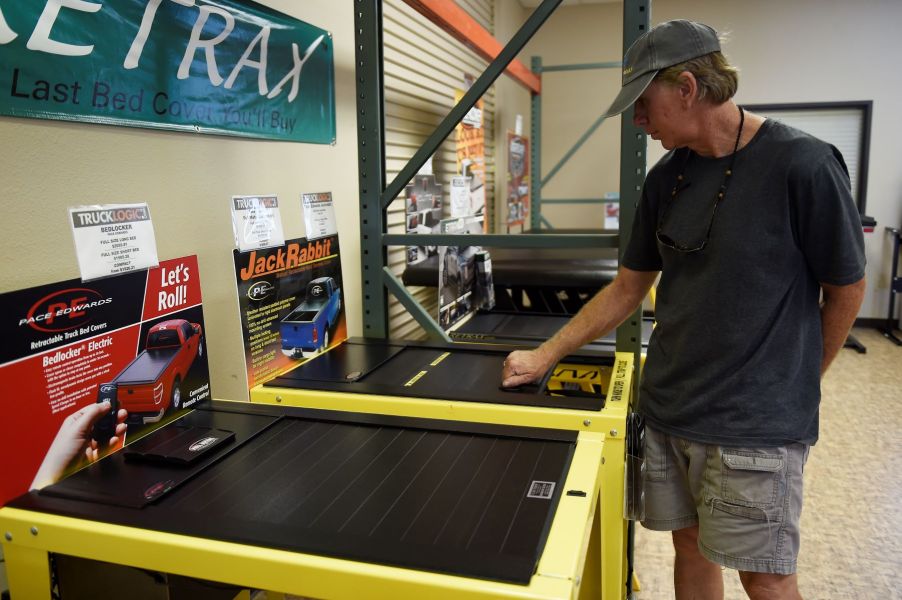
(735, 356)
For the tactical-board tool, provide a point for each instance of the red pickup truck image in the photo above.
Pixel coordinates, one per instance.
(151, 384)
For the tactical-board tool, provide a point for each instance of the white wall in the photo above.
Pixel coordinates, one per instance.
(799, 51)
(187, 180)
(571, 102)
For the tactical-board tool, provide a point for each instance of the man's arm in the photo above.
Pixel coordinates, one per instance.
(601, 314)
(838, 312)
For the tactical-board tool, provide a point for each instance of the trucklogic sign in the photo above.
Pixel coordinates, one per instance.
(290, 300)
(136, 340)
(112, 239)
(218, 66)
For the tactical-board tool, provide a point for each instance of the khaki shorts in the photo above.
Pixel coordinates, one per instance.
(746, 501)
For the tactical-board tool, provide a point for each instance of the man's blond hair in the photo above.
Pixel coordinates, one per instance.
(717, 79)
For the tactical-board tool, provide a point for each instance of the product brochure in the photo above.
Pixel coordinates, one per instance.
(290, 300)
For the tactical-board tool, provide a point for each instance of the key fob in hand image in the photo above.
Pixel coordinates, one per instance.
(105, 428)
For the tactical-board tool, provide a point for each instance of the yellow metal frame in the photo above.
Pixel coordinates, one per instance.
(609, 422)
(29, 536)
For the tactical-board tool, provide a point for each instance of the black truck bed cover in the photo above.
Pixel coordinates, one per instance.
(147, 366)
(301, 315)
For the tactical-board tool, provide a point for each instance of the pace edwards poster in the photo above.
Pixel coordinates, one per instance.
(291, 302)
(138, 338)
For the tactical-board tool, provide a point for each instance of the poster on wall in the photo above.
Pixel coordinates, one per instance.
(457, 270)
(291, 305)
(470, 145)
(460, 197)
(87, 367)
(612, 215)
(517, 180)
(423, 213)
(222, 66)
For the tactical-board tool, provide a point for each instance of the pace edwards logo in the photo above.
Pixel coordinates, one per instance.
(260, 290)
(64, 310)
(158, 489)
(202, 443)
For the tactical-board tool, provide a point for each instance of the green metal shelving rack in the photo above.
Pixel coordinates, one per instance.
(376, 193)
(537, 199)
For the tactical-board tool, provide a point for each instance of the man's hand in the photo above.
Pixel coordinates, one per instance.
(523, 366)
(607, 309)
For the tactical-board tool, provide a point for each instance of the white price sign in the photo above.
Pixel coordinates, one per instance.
(111, 239)
(257, 222)
(319, 215)
(460, 197)
(611, 215)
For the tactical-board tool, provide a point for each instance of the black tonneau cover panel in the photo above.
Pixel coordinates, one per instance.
(468, 499)
(346, 362)
(591, 268)
(469, 373)
(524, 328)
(120, 482)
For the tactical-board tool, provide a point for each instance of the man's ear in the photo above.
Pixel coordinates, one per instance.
(688, 88)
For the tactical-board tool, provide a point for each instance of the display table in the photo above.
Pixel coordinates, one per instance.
(585, 393)
(332, 505)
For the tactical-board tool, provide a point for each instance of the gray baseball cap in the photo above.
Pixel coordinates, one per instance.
(663, 46)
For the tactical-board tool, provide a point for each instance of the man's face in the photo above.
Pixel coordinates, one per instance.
(659, 112)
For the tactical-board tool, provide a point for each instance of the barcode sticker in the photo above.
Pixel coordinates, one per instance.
(541, 489)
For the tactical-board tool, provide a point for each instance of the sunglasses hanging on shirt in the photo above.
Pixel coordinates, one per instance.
(681, 185)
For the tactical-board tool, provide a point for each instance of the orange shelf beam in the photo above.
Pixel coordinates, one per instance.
(456, 21)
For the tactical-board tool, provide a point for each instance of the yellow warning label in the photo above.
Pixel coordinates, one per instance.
(415, 378)
(620, 372)
(440, 359)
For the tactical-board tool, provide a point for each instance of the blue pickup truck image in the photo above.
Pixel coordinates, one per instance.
(305, 330)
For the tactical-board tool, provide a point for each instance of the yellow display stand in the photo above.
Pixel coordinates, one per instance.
(567, 567)
(610, 528)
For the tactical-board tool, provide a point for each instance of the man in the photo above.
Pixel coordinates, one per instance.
(747, 221)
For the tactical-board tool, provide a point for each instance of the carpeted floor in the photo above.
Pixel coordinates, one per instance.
(852, 515)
